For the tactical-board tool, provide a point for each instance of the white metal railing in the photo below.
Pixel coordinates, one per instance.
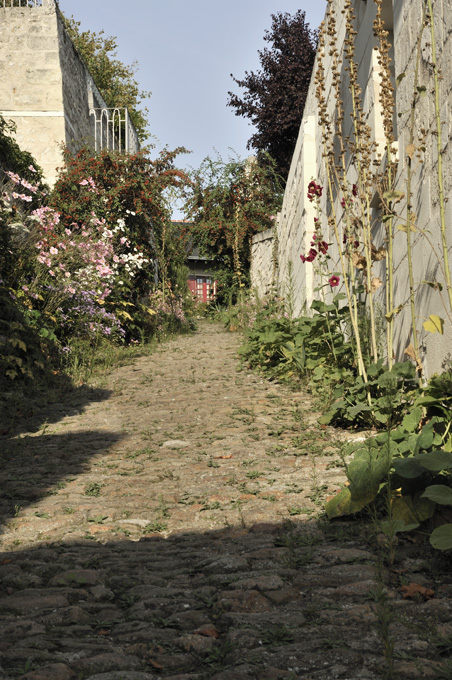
(21, 3)
(114, 131)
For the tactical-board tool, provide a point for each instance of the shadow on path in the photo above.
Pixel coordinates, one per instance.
(269, 601)
(236, 603)
(32, 467)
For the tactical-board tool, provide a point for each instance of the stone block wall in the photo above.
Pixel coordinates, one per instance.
(262, 261)
(45, 88)
(295, 223)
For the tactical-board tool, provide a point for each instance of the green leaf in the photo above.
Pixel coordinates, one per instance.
(434, 324)
(441, 537)
(408, 468)
(374, 369)
(439, 493)
(391, 527)
(404, 369)
(387, 381)
(412, 510)
(393, 196)
(342, 504)
(411, 421)
(434, 284)
(360, 407)
(399, 78)
(425, 437)
(435, 461)
(390, 315)
(367, 469)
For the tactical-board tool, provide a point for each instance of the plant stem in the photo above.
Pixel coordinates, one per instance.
(442, 208)
(410, 217)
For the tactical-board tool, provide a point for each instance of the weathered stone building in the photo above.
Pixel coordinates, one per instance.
(47, 91)
(412, 75)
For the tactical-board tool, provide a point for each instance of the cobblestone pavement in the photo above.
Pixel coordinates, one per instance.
(167, 524)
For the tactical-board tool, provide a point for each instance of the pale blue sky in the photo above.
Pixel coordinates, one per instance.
(186, 51)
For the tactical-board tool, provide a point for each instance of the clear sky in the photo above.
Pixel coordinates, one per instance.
(186, 51)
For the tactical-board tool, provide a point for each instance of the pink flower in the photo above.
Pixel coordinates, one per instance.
(13, 176)
(53, 251)
(333, 281)
(323, 247)
(52, 273)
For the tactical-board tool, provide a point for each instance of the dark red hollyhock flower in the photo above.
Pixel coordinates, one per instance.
(333, 281)
(314, 190)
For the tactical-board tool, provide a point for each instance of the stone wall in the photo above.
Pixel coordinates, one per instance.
(295, 223)
(262, 261)
(45, 88)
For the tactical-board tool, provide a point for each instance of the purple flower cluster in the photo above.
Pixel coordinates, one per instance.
(85, 316)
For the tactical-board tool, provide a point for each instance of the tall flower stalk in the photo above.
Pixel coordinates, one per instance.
(387, 103)
(361, 147)
(328, 155)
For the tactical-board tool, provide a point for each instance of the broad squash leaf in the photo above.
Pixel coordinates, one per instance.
(435, 461)
(342, 504)
(412, 510)
(441, 537)
(439, 493)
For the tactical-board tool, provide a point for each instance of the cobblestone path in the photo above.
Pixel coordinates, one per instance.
(166, 524)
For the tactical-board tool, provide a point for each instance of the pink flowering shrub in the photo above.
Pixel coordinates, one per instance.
(87, 272)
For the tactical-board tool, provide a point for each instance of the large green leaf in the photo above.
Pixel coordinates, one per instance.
(380, 417)
(435, 461)
(441, 537)
(342, 504)
(439, 493)
(408, 468)
(368, 468)
(404, 369)
(412, 510)
(387, 381)
(360, 407)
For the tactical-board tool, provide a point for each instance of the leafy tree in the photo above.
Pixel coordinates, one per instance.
(230, 202)
(115, 80)
(275, 96)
